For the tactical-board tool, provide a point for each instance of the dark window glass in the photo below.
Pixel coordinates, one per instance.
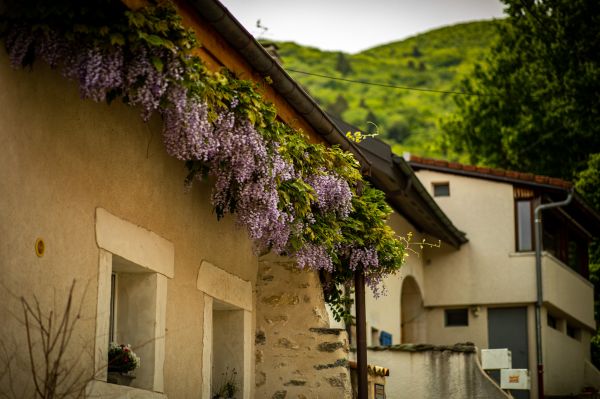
(111, 327)
(441, 189)
(457, 317)
(572, 331)
(524, 230)
(552, 322)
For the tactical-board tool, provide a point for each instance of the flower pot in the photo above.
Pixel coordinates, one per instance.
(115, 377)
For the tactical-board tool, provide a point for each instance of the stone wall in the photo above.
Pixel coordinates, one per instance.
(428, 371)
(297, 355)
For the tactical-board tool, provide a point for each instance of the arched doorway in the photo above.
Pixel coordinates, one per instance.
(412, 312)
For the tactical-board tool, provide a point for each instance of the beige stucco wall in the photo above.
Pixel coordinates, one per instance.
(482, 272)
(63, 157)
(475, 332)
(568, 291)
(565, 357)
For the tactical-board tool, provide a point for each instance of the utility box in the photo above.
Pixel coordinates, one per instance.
(515, 379)
(496, 359)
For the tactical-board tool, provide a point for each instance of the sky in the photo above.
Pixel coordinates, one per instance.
(353, 25)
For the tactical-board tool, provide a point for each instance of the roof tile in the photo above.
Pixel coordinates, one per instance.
(526, 177)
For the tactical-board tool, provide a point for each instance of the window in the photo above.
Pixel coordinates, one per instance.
(524, 225)
(441, 189)
(133, 315)
(227, 329)
(552, 321)
(134, 266)
(565, 241)
(457, 317)
(374, 336)
(573, 332)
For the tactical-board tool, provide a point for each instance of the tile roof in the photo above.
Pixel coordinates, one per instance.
(491, 173)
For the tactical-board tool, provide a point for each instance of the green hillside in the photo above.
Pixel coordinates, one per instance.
(409, 120)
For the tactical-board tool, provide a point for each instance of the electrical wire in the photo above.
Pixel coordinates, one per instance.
(388, 85)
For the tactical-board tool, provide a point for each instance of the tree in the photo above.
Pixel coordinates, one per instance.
(338, 107)
(343, 65)
(588, 184)
(537, 102)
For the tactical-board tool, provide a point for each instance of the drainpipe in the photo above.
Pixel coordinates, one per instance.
(361, 334)
(538, 276)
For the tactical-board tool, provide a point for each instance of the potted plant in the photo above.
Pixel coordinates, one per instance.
(228, 387)
(121, 362)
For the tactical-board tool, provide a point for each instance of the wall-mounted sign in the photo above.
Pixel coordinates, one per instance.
(379, 391)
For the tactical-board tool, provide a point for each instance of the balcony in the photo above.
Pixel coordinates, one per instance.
(567, 290)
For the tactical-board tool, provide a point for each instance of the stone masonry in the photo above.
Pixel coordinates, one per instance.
(297, 355)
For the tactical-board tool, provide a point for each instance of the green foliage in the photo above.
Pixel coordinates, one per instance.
(343, 65)
(538, 97)
(588, 184)
(339, 106)
(408, 120)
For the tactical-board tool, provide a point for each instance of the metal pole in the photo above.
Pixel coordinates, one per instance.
(538, 277)
(361, 335)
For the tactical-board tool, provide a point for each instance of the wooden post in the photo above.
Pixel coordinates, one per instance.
(361, 335)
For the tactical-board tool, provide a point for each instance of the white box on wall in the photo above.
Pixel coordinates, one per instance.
(496, 359)
(515, 379)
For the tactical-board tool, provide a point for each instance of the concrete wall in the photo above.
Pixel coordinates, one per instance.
(566, 359)
(61, 159)
(297, 354)
(434, 372)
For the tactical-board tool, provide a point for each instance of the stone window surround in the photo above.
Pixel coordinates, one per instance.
(223, 286)
(146, 249)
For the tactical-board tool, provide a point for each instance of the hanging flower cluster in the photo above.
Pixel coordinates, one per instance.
(293, 197)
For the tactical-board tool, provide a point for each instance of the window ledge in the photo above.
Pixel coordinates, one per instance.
(102, 389)
(521, 254)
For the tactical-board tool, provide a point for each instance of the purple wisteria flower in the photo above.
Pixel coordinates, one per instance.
(18, 43)
(100, 71)
(314, 257)
(333, 194)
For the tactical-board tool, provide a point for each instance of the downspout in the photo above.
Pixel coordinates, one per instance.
(538, 276)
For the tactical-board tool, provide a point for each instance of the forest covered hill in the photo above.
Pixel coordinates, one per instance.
(407, 119)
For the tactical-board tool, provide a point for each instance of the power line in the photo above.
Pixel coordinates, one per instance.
(388, 85)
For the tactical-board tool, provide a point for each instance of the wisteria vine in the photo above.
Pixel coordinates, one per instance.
(294, 198)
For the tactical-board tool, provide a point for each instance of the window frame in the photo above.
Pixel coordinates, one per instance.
(531, 202)
(446, 319)
(436, 185)
(154, 254)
